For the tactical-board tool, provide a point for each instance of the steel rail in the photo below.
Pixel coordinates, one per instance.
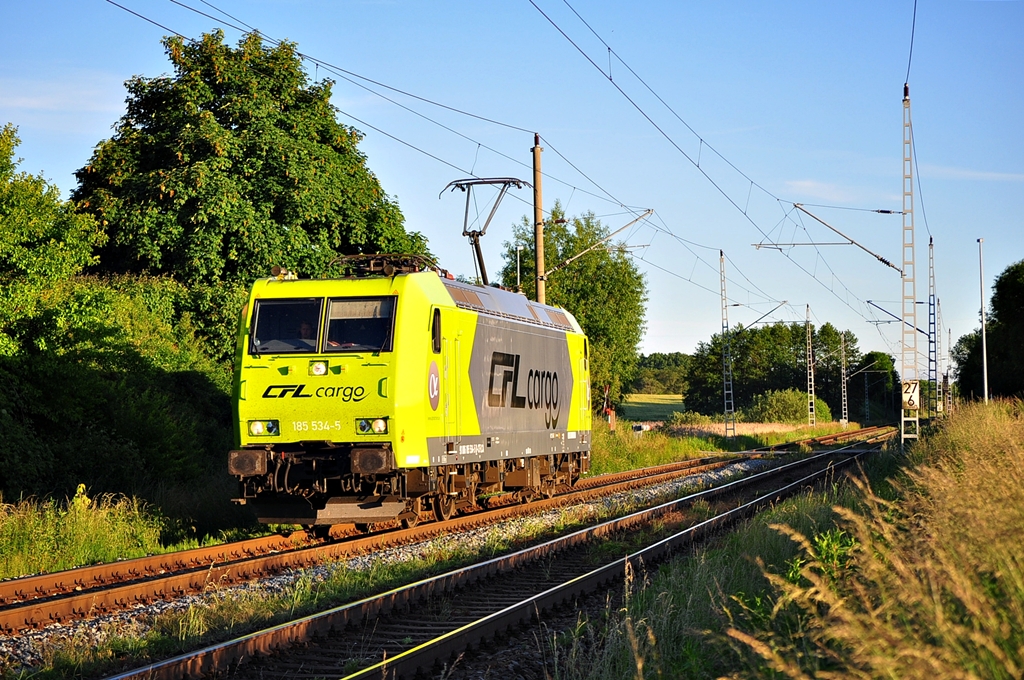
(230, 653)
(24, 588)
(407, 664)
(76, 601)
(827, 438)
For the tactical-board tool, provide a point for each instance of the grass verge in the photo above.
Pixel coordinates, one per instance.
(915, 571)
(650, 406)
(47, 536)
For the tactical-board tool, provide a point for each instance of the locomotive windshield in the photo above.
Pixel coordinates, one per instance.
(285, 326)
(360, 324)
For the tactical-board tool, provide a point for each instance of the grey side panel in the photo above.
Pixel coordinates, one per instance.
(521, 379)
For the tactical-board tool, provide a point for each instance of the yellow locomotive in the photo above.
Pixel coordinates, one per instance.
(396, 392)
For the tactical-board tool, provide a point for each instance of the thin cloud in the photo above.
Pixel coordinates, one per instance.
(79, 92)
(947, 172)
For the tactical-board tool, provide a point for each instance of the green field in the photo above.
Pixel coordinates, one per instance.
(650, 406)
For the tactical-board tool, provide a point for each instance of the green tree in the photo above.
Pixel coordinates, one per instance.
(828, 364)
(659, 373)
(102, 381)
(1004, 333)
(769, 359)
(786, 406)
(232, 165)
(42, 241)
(603, 289)
(765, 358)
(877, 372)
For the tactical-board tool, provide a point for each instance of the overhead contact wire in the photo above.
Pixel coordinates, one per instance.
(688, 157)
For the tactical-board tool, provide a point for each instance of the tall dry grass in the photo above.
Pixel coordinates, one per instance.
(934, 585)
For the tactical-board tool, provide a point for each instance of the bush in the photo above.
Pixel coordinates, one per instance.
(110, 388)
(785, 406)
(691, 419)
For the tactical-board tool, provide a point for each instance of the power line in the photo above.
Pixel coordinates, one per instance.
(913, 29)
(649, 119)
(344, 73)
(144, 18)
(702, 143)
(353, 74)
(328, 67)
(846, 207)
(629, 68)
(917, 171)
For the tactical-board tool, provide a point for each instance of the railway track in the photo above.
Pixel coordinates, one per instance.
(40, 600)
(408, 630)
(867, 434)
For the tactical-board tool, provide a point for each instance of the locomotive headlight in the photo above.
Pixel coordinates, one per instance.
(264, 428)
(318, 368)
(372, 425)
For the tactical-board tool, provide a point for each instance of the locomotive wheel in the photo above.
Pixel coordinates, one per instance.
(409, 523)
(318, 531)
(444, 507)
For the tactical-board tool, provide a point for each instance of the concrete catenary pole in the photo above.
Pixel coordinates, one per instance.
(538, 220)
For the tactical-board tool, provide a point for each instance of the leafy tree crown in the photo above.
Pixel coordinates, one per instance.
(233, 164)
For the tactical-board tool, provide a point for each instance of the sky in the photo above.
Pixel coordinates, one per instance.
(718, 116)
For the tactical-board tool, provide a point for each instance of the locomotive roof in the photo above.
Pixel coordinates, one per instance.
(499, 302)
(488, 300)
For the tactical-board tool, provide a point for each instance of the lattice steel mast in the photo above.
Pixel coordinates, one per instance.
(940, 385)
(810, 371)
(846, 410)
(909, 423)
(945, 378)
(933, 365)
(730, 411)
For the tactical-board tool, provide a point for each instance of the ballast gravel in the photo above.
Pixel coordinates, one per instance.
(24, 651)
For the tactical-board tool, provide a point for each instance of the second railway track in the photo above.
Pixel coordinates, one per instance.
(36, 601)
(396, 634)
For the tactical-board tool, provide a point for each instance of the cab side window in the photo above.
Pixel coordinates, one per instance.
(435, 331)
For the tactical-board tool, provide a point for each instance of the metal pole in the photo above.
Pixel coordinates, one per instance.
(984, 346)
(730, 411)
(867, 402)
(909, 423)
(846, 413)
(933, 353)
(949, 393)
(810, 372)
(538, 220)
(519, 285)
(940, 385)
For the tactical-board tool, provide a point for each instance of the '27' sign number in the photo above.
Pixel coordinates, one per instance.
(911, 395)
